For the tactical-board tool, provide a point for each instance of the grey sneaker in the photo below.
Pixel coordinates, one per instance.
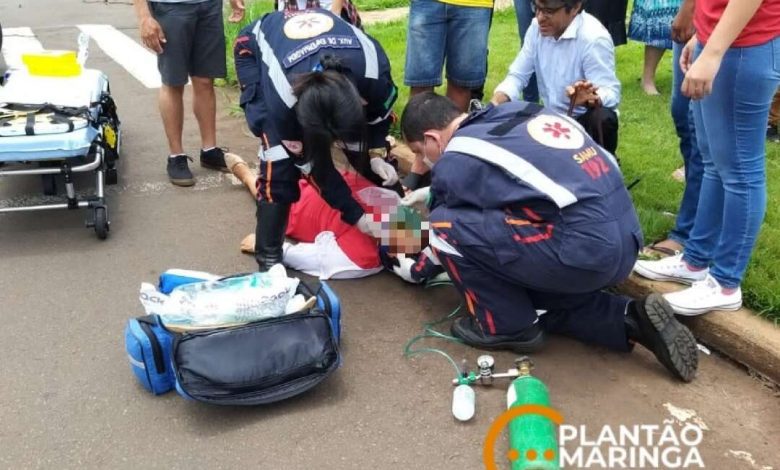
(179, 171)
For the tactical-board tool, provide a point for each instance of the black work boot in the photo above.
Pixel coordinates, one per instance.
(269, 234)
(651, 323)
(179, 171)
(214, 159)
(527, 341)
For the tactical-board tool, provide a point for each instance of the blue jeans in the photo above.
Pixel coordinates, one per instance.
(524, 18)
(439, 30)
(731, 127)
(682, 115)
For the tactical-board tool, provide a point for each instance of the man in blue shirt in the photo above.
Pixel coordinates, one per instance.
(528, 214)
(574, 59)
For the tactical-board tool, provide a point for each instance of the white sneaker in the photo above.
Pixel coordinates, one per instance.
(702, 297)
(672, 268)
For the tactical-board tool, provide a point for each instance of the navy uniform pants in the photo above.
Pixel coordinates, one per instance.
(557, 269)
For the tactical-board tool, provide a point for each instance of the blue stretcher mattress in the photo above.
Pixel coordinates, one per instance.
(47, 146)
(23, 88)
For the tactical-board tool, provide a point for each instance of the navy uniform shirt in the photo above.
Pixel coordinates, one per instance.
(521, 173)
(270, 52)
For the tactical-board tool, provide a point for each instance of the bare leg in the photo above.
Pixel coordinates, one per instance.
(172, 111)
(241, 170)
(652, 59)
(460, 96)
(204, 106)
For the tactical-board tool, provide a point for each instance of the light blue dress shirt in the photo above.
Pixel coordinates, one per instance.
(583, 52)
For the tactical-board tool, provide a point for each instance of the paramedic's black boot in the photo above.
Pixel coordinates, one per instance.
(269, 235)
(651, 323)
(214, 159)
(179, 172)
(527, 341)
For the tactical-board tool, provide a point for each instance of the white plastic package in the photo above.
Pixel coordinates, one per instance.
(219, 303)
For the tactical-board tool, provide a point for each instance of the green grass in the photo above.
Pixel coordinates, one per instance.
(254, 10)
(648, 147)
(368, 5)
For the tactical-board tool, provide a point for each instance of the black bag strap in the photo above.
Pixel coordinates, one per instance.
(29, 127)
(149, 319)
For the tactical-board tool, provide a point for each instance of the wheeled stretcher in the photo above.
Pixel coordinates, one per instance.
(55, 127)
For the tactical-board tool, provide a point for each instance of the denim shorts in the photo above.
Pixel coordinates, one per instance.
(195, 44)
(438, 30)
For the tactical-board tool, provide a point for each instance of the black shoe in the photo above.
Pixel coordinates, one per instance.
(179, 172)
(651, 323)
(214, 159)
(269, 233)
(527, 341)
(773, 134)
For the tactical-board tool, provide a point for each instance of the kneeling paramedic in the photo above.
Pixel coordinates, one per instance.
(531, 220)
(310, 80)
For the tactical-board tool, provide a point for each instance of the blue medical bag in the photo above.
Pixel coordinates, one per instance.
(148, 345)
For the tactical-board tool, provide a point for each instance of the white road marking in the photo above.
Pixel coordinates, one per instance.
(17, 41)
(684, 416)
(747, 457)
(133, 57)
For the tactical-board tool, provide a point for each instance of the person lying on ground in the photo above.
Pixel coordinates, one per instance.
(329, 248)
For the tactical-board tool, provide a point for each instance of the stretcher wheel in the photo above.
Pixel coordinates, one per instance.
(111, 176)
(101, 222)
(49, 185)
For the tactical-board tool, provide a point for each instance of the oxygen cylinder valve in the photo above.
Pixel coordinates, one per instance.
(524, 366)
(486, 365)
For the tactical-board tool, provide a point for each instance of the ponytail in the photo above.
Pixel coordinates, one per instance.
(329, 109)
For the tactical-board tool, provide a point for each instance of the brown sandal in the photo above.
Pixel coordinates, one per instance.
(655, 252)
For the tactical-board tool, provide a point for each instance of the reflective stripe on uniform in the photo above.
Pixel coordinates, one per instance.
(273, 154)
(442, 245)
(515, 165)
(369, 51)
(380, 118)
(275, 72)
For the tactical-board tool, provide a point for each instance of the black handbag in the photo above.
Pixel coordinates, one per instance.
(260, 362)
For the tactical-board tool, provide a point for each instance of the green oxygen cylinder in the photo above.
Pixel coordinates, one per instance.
(532, 438)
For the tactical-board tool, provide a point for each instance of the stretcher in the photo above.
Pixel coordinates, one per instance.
(55, 127)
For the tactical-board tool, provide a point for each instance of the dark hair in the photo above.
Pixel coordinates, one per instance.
(329, 108)
(424, 112)
(567, 4)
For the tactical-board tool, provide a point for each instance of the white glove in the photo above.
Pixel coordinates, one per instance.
(404, 270)
(385, 171)
(369, 226)
(418, 196)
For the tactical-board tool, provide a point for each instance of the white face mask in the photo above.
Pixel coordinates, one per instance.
(427, 160)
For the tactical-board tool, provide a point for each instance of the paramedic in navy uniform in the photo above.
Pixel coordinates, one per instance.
(310, 80)
(529, 214)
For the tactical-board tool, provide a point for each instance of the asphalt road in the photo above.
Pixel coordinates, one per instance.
(68, 399)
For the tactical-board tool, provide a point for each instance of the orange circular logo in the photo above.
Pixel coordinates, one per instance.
(503, 420)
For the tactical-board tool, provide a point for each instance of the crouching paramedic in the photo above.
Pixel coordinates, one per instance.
(308, 81)
(529, 214)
